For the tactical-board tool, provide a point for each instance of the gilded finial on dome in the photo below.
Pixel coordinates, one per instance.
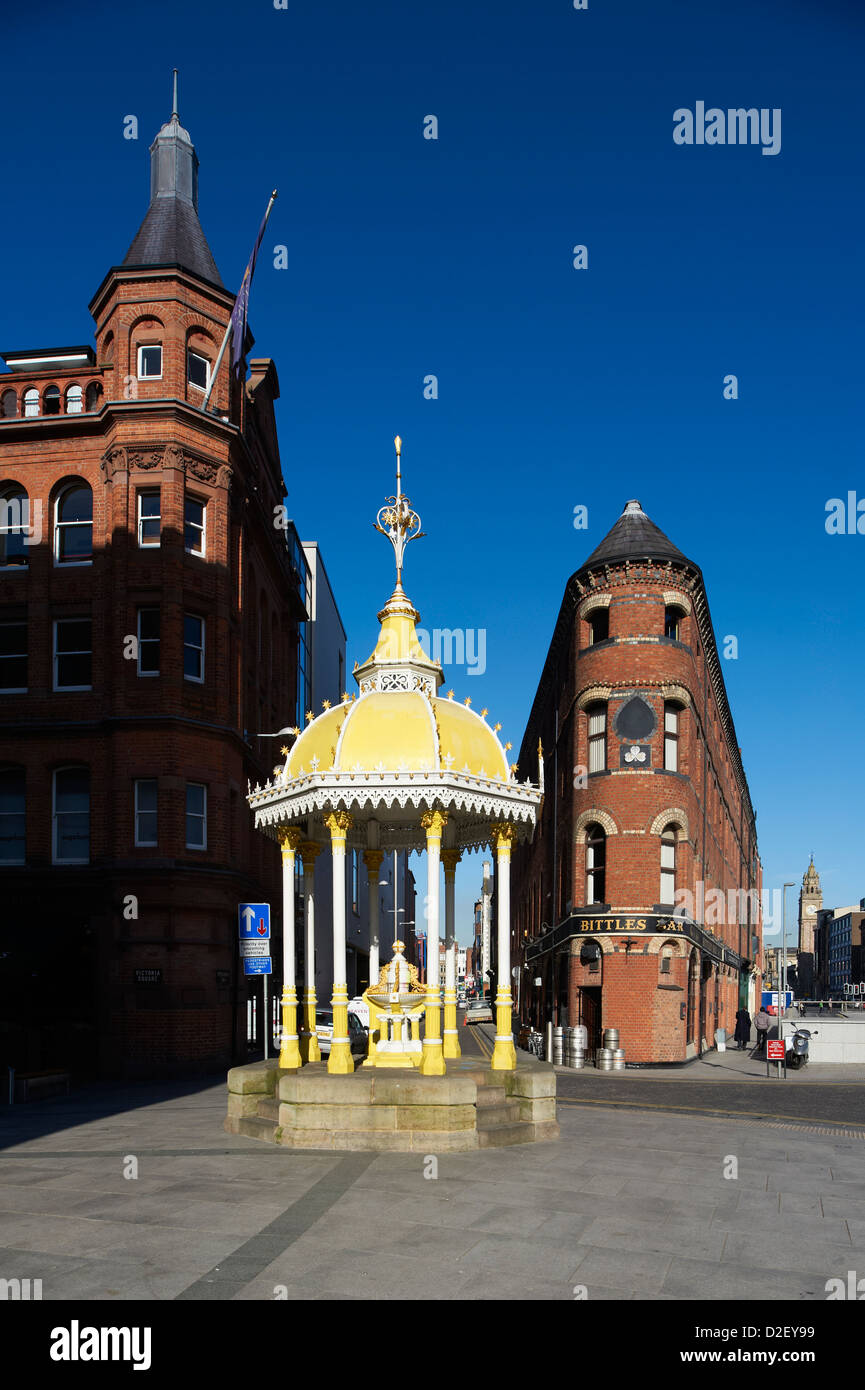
(467, 700)
(325, 704)
(484, 713)
(397, 521)
(284, 752)
(309, 716)
(497, 727)
(450, 694)
(345, 697)
(508, 747)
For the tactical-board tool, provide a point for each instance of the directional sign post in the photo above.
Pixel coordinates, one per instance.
(253, 924)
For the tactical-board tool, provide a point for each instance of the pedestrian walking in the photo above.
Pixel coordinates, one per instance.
(762, 1023)
(743, 1029)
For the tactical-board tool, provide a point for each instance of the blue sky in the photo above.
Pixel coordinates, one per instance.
(556, 387)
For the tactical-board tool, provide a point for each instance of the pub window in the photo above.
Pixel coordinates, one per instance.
(671, 737)
(668, 866)
(596, 864)
(597, 717)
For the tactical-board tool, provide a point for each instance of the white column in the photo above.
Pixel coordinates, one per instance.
(504, 1053)
(289, 1051)
(309, 1048)
(450, 1033)
(433, 1062)
(340, 1059)
(372, 858)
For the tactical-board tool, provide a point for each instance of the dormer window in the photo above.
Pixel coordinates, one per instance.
(150, 362)
(197, 370)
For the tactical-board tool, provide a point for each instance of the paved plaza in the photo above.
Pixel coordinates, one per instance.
(628, 1204)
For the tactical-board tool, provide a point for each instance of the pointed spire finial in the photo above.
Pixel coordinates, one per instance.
(174, 111)
(396, 520)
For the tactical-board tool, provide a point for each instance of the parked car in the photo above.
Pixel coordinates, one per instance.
(357, 1034)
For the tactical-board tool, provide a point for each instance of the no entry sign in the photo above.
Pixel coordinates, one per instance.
(775, 1050)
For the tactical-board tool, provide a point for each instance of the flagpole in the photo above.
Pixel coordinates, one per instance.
(218, 362)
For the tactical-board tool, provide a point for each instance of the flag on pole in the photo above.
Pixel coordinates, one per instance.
(241, 304)
(237, 322)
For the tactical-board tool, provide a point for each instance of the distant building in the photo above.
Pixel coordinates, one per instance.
(810, 903)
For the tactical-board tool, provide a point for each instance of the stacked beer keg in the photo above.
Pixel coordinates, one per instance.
(611, 1057)
(575, 1047)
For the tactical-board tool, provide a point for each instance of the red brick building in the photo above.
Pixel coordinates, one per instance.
(149, 609)
(637, 906)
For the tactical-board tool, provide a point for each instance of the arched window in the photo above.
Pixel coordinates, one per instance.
(93, 396)
(8, 405)
(671, 736)
(673, 616)
(51, 401)
(12, 816)
(668, 866)
(71, 841)
(599, 625)
(74, 400)
(14, 526)
(597, 716)
(31, 402)
(596, 864)
(73, 526)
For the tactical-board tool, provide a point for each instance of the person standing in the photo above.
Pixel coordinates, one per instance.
(762, 1022)
(742, 1034)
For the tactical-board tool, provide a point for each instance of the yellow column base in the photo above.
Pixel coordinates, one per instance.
(504, 1056)
(451, 1037)
(433, 1062)
(289, 1050)
(309, 1048)
(340, 1062)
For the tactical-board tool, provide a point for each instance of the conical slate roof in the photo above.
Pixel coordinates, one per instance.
(635, 537)
(171, 233)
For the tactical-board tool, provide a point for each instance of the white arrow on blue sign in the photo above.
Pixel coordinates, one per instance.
(257, 965)
(253, 920)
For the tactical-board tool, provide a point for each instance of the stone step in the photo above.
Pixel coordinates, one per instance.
(268, 1109)
(491, 1095)
(255, 1127)
(498, 1116)
(505, 1134)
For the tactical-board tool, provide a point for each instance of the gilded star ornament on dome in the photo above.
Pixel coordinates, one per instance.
(325, 704)
(396, 520)
(467, 700)
(309, 716)
(284, 752)
(450, 694)
(484, 713)
(497, 727)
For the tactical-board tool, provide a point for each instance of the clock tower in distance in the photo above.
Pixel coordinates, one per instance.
(810, 901)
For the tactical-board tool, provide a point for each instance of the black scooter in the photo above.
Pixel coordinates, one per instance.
(797, 1053)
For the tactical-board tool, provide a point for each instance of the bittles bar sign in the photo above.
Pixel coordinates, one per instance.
(648, 924)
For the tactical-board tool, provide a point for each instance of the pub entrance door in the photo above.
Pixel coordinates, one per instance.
(589, 1010)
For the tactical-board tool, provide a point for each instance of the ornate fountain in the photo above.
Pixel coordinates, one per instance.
(396, 1004)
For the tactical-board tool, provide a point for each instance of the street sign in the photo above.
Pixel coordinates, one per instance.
(258, 965)
(776, 1049)
(253, 921)
(249, 949)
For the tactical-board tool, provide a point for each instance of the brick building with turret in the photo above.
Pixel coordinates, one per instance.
(149, 614)
(637, 906)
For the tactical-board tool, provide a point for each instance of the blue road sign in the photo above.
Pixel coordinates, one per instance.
(253, 921)
(257, 965)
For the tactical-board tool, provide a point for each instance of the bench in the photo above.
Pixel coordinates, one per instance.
(39, 1085)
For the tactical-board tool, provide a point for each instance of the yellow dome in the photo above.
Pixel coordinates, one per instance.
(399, 731)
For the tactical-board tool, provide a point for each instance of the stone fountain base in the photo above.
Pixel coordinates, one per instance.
(468, 1108)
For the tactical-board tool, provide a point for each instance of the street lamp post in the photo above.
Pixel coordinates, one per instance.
(782, 991)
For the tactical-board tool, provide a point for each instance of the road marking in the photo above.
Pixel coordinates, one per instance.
(858, 1131)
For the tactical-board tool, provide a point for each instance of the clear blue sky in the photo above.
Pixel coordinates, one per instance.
(557, 387)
